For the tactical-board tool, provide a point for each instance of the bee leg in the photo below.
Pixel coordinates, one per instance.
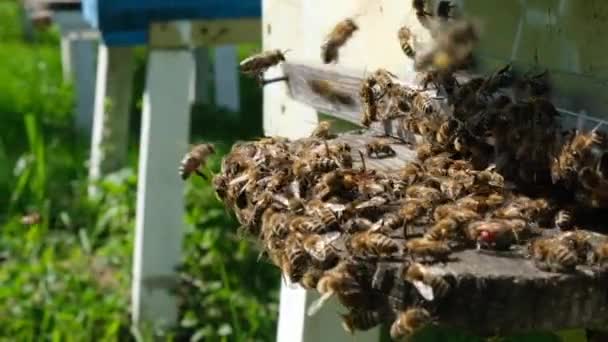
(198, 172)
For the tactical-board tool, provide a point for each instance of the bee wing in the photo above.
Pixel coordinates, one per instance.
(239, 179)
(373, 202)
(377, 226)
(295, 188)
(335, 207)
(316, 305)
(425, 290)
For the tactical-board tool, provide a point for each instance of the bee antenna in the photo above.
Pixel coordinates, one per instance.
(363, 160)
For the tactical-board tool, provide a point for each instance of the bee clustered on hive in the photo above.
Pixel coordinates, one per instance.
(495, 171)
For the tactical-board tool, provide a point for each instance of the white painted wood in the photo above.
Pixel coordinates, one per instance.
(200, 84)
(285, 28)
(83, 60)
(160, 205)
(225, 70)
(66, 56)
(111, 113)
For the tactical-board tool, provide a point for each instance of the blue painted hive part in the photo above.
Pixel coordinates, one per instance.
(126, 22)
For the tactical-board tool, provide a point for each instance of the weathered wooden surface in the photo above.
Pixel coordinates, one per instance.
(495, 292)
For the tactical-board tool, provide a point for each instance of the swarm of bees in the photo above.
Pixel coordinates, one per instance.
(333, 225)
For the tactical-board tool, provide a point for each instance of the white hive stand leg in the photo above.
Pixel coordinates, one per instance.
(83, 67)
(225, 68)
(66, 55)
(200, 84)
(160, 209)
(111, 113)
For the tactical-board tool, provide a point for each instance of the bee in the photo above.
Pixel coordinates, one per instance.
(319, 209)
(368, 100)
(361, 320)
(523, 208)
(453, 49)
(274, 224)
(194, 159)
(427, 249)
(496, 233)
(563, 219)
(423, 104)
(409, 322)
(551, 254)
(307, 224)
(405, 40)
(414, 209)
(333, 182)
(311, 277)
(481, 203)
(295, 261)
(340, 34)
(600, 255)
(322, 131)
(379, 149)
(411, 173)
(579, 242)
(392, 221)
(419, 7)
(31, 219)
(327, 91)
(444, 10)
(257, 64)
(373, 244)
(446, 131)
(323, 164)
(426, 150)
(342, 154)
(424, 192)
(341, 282)
(429, 286)
(320, 246)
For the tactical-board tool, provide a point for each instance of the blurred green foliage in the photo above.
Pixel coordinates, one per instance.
(68, 277)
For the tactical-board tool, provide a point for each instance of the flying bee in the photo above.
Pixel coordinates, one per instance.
(320, 246)
(409, 322)
(327, 91)
(340, 34)
(194, 159)
(373, 244)
(379, 149)
(307, 224)
(257, 64)
(322, 131)
(341, 282)
(428, 250)
(444, 10)
(419, 7)
(429, 286)
(496, 233)
(31, 218)
(320, 210)
(551, 254)
(405, 40)
(361, 320)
